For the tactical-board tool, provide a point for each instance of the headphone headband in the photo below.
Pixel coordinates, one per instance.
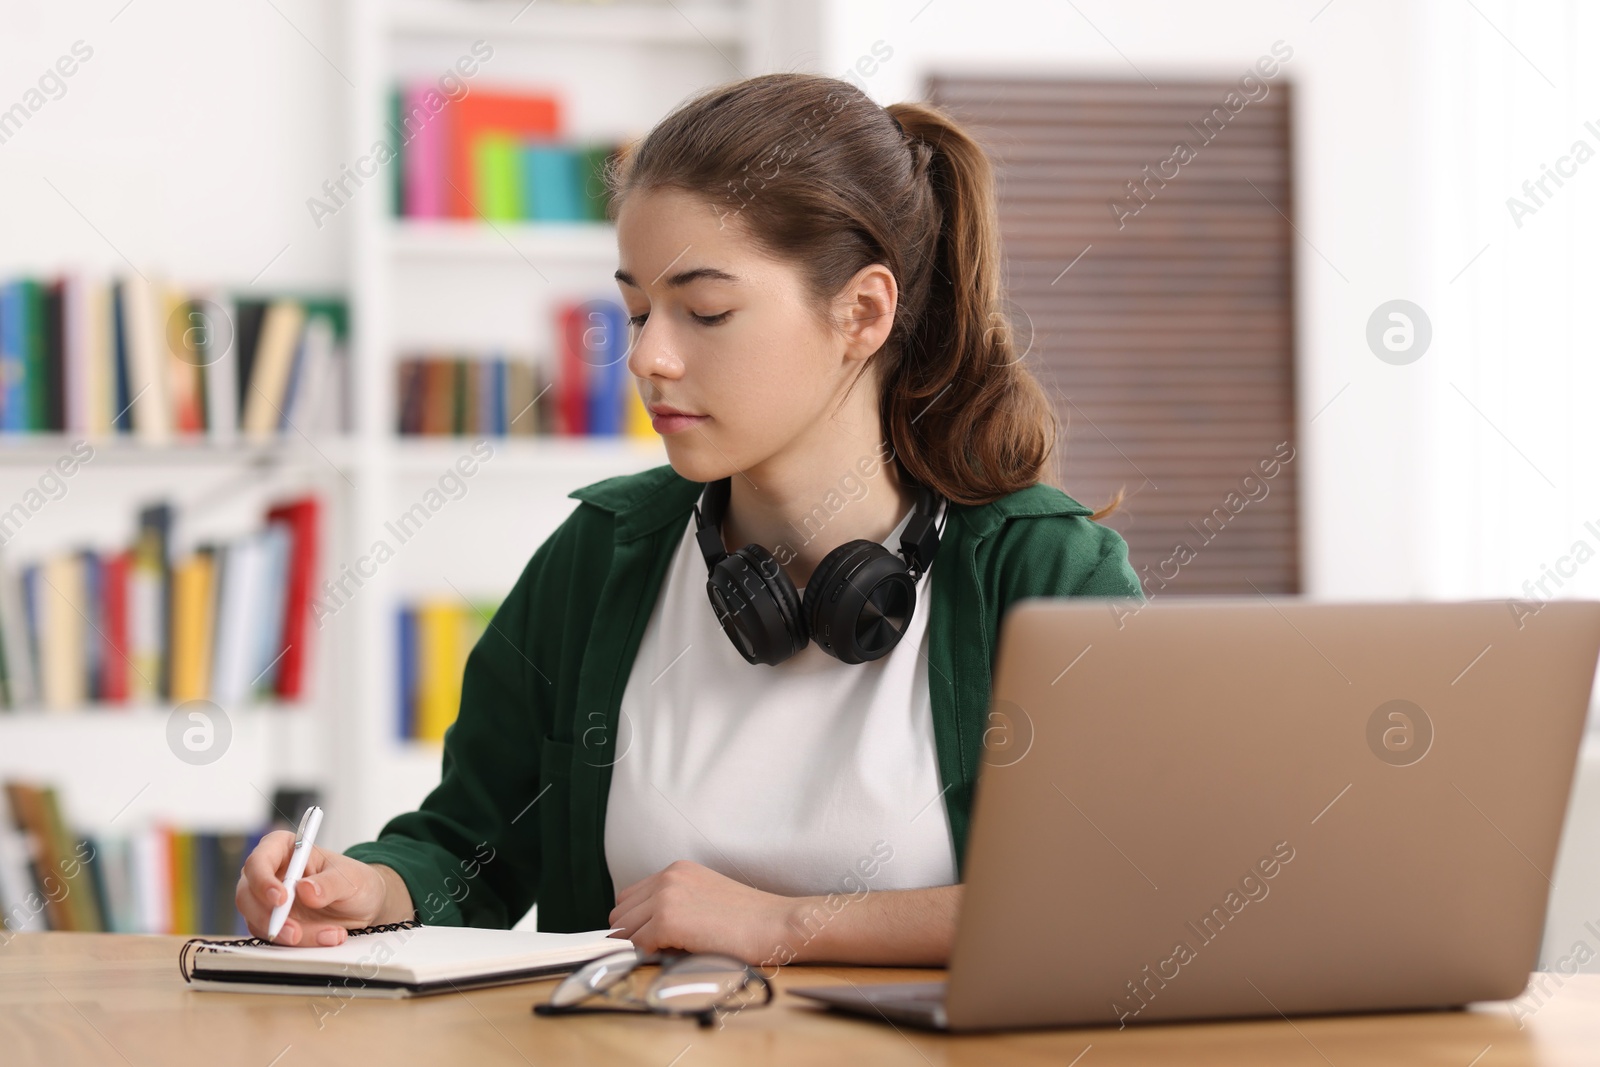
(919, 541)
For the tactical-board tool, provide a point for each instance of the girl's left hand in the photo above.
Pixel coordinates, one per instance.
(691, 907)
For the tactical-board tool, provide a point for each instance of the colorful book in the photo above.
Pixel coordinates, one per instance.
(46, 393)
(301, 517)
(180, 856)
(572, 376)
(270, 370)
(268, 658)
(426, 125)
(407, 667)
(114, 659)
(218, 352)
(148, 365)
(439, 680)
(192, 624)
(94, 623)
(497, 184)
(122, 383)
(61, 608)
(523, 116)
(551, 190)
(181, 336)
(149, 598)
(595, 159)
(608, 371)
(397, 142)
(16, 311)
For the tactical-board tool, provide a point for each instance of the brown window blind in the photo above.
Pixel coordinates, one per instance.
(1153, 291)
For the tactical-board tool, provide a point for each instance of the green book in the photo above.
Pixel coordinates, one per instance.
(458, 397)
(592, 164)
(35, 375)
(397, 141)
(495, 177)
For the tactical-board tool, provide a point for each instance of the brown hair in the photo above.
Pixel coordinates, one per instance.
(821, 176)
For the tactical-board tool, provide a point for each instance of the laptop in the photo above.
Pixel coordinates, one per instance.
(1229, 807)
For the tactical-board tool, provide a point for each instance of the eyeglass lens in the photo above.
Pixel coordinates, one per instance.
(596, 976)
(697, 983)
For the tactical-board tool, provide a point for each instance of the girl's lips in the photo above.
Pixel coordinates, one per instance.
(670, 424)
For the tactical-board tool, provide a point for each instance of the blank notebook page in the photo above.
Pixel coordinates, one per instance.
(419, 954)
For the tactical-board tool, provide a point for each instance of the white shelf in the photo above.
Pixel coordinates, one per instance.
(586, 243)
(682, 23)
(135, 716)
(34, 450)
(584, 458)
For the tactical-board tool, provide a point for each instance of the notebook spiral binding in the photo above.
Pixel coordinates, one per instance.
(196, 945)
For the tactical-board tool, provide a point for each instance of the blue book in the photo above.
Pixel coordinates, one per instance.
(13, 357)
(485, 396)
(550, 184)
(608, 373)
(296, 368)
(407, 687)
(94, 600)
(205, 876)
(119, 358)
(30, 611)
(498, 423)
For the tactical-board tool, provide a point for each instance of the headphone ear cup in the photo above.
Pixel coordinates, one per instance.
(859, 601)
(782, 589)
(757, 605)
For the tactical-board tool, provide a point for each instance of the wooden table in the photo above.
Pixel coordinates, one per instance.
(68, 999)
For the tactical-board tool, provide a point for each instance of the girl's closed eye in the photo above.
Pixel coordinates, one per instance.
(704, 320)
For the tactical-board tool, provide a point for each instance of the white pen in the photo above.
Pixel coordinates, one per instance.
(304, 839)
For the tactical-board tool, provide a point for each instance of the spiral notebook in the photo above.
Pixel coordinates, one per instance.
(404, 959)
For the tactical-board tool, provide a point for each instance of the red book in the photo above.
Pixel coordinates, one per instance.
(301, 518)
(114, 662)
(523, 115)
(572, 383)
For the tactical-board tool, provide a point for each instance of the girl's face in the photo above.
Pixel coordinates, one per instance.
(721, 331)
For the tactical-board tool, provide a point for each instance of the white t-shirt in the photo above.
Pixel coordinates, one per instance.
(810, 777)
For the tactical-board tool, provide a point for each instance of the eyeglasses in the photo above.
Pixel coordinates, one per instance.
(694, 984)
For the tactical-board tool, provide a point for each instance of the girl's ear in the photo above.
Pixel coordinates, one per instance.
(868, 305)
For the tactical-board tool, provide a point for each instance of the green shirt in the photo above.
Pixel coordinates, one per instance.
(519, 813)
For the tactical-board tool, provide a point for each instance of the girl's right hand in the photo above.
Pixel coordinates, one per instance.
(336, 893)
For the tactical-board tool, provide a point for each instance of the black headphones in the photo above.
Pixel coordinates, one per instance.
(856, 605)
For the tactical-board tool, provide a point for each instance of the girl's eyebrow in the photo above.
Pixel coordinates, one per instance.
(682, 278)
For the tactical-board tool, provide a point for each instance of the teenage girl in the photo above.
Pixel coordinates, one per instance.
(738, 703)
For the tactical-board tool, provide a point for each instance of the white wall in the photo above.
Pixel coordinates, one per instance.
(189, 139)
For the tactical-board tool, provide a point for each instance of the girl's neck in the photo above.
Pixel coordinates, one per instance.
(801, 510)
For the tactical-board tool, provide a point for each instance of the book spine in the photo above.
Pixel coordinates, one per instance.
(573, 375)
(121, 380)
(426, 122)
(114, 677)
(302, 518)
(13, 364)
(406, 665)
